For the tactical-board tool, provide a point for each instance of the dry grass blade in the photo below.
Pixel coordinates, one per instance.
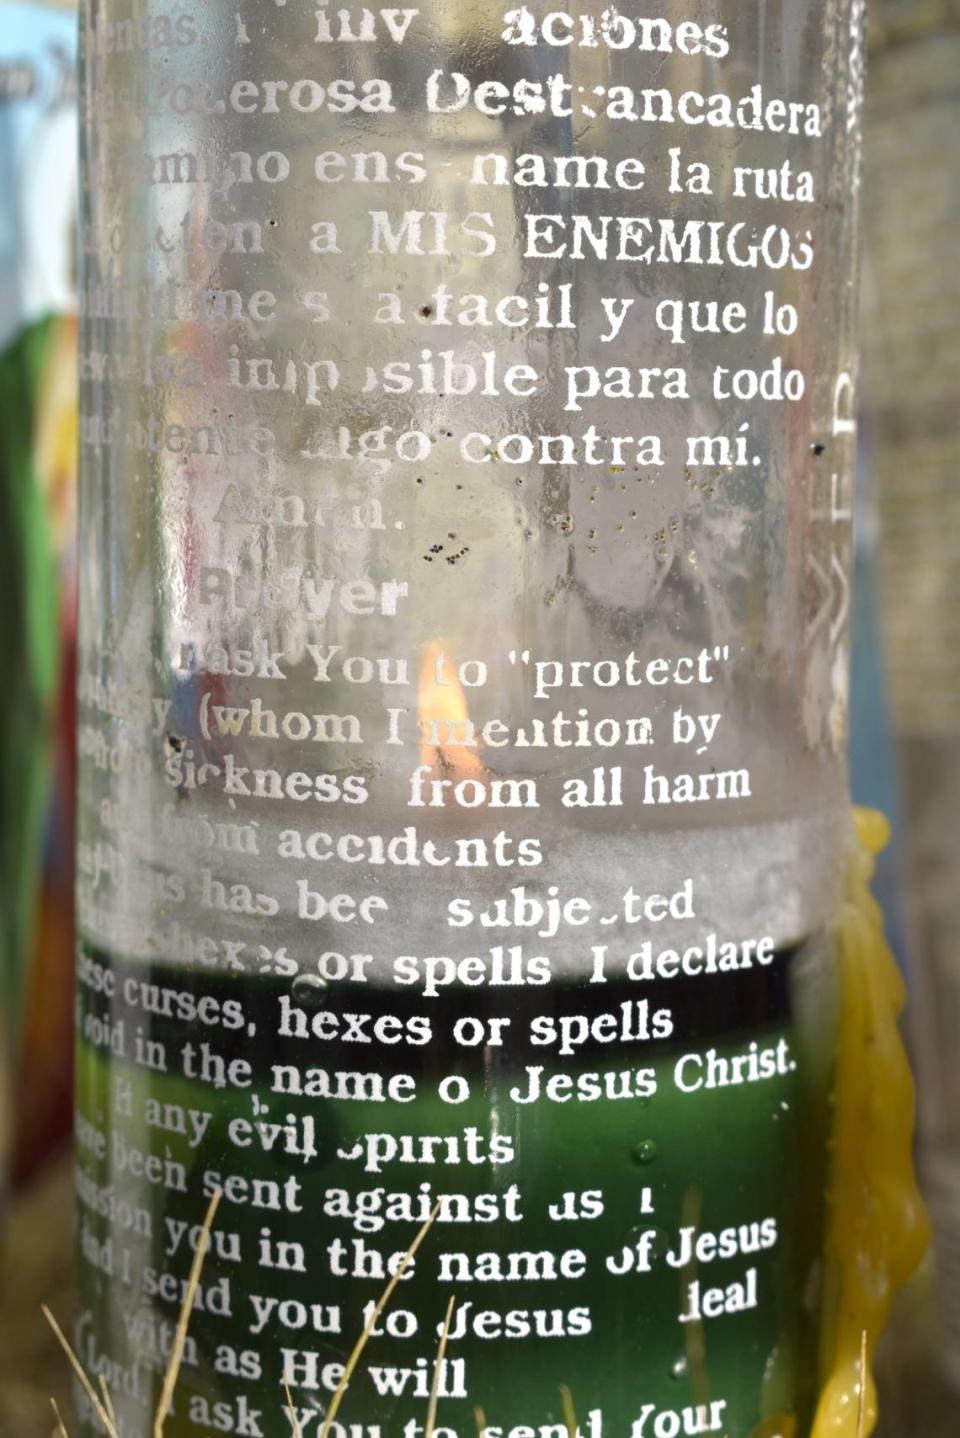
(480, 1418)
(862, 1388)
(108, 1401)
(569, 1413)
(437, 1368)
(179, 1338)
(371, 1322)
(78, 1369)
(61, 1428)
(294, 1420)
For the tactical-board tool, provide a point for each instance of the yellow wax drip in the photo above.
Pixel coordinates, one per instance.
(876, 1228)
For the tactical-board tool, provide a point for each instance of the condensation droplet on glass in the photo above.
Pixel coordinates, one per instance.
(645, 1151)
(309, 988)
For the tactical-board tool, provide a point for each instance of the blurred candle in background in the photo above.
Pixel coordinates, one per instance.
(38, 438)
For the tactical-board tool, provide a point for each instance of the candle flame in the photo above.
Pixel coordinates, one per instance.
(445, 722)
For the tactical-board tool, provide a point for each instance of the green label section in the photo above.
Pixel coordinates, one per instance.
(637, 1218)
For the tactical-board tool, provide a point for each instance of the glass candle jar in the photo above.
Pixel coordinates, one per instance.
(467, 442)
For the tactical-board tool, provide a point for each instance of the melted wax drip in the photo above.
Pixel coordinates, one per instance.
(877, 1229)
